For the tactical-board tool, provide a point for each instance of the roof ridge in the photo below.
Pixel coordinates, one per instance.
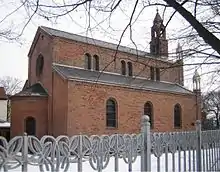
(28, 91)
(184, 87)
(74, 34)
(101, 43)
(84, 75)
(87, 37)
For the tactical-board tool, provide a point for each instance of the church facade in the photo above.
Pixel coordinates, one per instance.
(82, 85)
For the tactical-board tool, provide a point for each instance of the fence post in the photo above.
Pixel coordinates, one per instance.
(80, 149)
(198, 146)
(146, 153)
(24, 153)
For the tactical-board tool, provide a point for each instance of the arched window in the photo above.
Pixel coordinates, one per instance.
(130, 70)
(30, 126)
(88, 61)
(96, 62)
(39, 65)
(123, 67)
(158, 74)
(152, 73)
(148, 110)
(177, 116)
(111, 110)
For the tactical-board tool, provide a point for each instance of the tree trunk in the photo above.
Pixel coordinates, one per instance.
(207, 36)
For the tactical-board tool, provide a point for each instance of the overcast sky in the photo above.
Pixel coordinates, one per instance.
(13, 55)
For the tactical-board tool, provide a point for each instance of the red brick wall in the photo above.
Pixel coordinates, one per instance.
(72, 53)
(42, 45)
(23, 107)
(86, 109)
(60, 105)
(83, 116)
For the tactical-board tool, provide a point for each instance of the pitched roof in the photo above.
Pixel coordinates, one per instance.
(119, 80)
(87, 40)
(3, 95)
(34, 90)
(25, 85)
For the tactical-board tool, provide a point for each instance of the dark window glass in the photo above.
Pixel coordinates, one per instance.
(96, 63)
(153, 48)
(30, 126)
(177, 116)
(157, 74)
(39, 65)
(123, 67)
(130, 70)
(152, 73)
(148, 110)
(88, 61)
(111, 113)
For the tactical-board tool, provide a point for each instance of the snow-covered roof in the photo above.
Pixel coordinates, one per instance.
(5, 124)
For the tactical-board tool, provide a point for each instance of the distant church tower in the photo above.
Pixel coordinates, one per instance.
(179, 62)
(159, 43)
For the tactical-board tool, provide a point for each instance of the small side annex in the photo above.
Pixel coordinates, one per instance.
(30, 111)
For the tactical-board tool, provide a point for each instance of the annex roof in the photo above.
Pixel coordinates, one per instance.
(119, 80)
(34, 90)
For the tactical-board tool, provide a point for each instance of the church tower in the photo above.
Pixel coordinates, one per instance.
(179, 63)
(159, 43)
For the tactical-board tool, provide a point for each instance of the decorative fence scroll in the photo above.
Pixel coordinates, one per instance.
(178, 149)
(175, 151)
(57, 154)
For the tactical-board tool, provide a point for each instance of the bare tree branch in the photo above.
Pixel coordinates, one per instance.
(11, 85)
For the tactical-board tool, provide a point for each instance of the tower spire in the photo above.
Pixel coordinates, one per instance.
(158, 44)
(157, 18)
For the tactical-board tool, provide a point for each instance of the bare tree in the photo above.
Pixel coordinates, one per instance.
(53, 10)
(211, 106)
(11, 85)
(200, 35)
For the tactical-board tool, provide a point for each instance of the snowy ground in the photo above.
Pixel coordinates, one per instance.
(136, 166)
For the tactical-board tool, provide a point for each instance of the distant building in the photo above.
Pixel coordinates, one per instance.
(3, 104)
(79, 85)
(4, 124)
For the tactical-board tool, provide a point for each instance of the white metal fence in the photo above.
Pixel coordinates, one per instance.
(175, 151)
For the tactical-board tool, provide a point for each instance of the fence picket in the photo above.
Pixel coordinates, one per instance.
(189, 158)
(80, 153)
(25, 153)
(198, 150)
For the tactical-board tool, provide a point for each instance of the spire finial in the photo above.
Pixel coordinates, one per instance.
(157, 17)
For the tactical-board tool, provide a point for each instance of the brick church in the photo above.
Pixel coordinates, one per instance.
(82, 85)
